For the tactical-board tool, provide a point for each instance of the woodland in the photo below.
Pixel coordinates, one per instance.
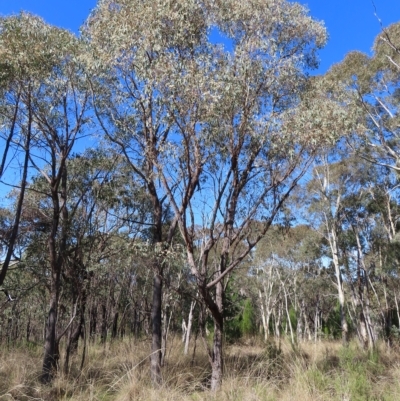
(175, 201)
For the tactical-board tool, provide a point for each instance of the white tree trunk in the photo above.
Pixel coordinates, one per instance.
(339, 284)
(189, 327)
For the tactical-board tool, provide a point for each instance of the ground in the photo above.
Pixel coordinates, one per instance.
(253, 371)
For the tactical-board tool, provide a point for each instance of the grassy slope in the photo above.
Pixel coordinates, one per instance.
(322, 371)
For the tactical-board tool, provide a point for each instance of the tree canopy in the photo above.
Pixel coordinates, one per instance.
(225, 182)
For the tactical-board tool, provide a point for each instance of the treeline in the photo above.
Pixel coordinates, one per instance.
(161, 184)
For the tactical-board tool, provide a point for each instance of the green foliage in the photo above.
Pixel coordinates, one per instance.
(30, 49)
(293, 318)
(359, 369)
(248, 326)
(240, 318)
(186, 120)
(332, 325)
(232, 315)
(351, 374)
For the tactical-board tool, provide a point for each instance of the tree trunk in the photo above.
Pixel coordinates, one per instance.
(217, 359)
(339, 284)
(28, 329)
(51, 356)
(103, 335)
(114, 330)
(278, 317)
(397, 311)
(300, 329)
(264, 318)
(56, 250)
(73, 339)
(363, 331)
(165, 329)
(155, 357)
(189, 327)
(92, 323)
(184, 329)
(135, 328)
(194, 346)
(289, 323)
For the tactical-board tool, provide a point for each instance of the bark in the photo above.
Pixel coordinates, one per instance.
(103, 323)
(114, 330)
(80, 285)
(84, 346)
(164, 328)
(184, 330)
(307, 330)
(51, 356)
(370, 324)
(300, 326)
(57, 250)
(397, 309)
(217, 356)
(135, 328)
(93, 322)
(217, 360)
(317, 325)
(278, 318)
(289, 323)
(363, 330)
(73, 339)
(339, 285)
(9, 331)
(263, 316)
(195, 346)
(28, 329)
(51, 347)
(366, 327)
(189, 327)
(155, 357)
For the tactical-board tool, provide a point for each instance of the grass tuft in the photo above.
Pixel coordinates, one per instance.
(253, 372)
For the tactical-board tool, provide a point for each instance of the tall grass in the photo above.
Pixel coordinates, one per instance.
(253, 371)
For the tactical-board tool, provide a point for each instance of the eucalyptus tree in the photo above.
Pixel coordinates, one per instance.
(221, 133)
(140, 53)
(16, 88)
(98, 266)
(290, 280)
(371, 216)
(342, 199)
(94, 202)
(54, 97)
(375, 80)
(268, 125)
(330, 183)
(373, 84)
(382, 244)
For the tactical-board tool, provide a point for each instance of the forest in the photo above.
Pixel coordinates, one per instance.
(180, 215)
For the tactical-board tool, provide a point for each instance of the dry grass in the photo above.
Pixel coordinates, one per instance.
(253, 372)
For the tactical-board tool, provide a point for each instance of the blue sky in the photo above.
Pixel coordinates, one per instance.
(351, 24)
